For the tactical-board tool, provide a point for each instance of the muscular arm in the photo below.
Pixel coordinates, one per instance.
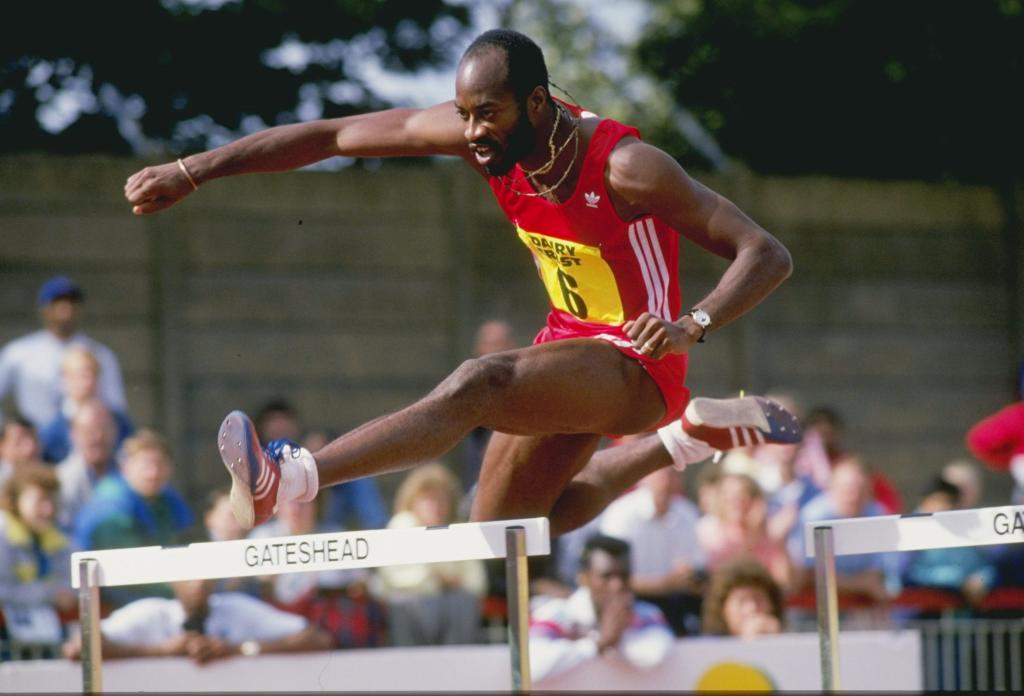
(643, 180)
(392, 133)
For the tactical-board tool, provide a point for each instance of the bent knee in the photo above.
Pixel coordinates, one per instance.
(482, 377)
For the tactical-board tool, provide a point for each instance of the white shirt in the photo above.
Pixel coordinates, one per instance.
(657, 544)
(30, 365)
(562, 635)
(76, 486)
(234, 617)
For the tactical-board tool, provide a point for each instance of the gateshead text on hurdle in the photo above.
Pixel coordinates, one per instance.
(1007, 524)
(306, 552)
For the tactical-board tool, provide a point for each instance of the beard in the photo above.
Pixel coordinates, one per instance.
(517, 146)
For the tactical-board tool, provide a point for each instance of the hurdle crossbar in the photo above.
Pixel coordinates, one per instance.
(513, 540)
(827, 539)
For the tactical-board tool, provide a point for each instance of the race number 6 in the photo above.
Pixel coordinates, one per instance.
(573, 301)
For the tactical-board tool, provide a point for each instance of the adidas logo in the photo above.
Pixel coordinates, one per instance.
(591, 199)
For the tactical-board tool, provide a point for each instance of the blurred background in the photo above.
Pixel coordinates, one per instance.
(882, 142)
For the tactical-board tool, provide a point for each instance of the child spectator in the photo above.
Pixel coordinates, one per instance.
(35, 557)
(80, 380)
(19, 445)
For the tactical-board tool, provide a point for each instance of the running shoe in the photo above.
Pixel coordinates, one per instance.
(750, 420)
(255, 473)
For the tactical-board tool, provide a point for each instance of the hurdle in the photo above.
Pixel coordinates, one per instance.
(513, 540)
(827, 539)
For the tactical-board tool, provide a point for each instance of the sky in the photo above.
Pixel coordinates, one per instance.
(77, 93)
(623, 18)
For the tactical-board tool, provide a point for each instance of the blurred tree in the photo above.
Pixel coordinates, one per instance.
(919, 88)
(595, 63)
(141, 76)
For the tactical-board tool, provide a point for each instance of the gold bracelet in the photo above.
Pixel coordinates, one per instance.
(181, 166)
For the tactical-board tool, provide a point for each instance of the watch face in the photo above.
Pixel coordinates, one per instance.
(701, 317)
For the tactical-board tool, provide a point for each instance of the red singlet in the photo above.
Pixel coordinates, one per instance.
(598, 270)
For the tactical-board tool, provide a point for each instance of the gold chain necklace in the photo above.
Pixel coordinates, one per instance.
(546, 167)
(573, 136)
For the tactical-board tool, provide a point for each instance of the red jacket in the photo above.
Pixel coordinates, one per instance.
(998, 438)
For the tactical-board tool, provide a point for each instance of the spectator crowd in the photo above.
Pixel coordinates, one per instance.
(76, 473)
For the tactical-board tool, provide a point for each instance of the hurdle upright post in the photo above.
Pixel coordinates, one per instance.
(828, 607)
(89, 620)
(517, 588)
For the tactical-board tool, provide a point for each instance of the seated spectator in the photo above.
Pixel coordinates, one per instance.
(966, 476)
(201, 625)
(35, 558)
(431, 603)
(599, 617)
(338, 601)
(965, 570)
(19, 445)
(667, 562)
(743, 600)
(738, 524)
(93, 435)
(136, 507)
(80, 379)
(847, 495)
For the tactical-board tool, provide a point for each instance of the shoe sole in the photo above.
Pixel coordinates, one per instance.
(728, 413)
(236, 440)
(711, 418)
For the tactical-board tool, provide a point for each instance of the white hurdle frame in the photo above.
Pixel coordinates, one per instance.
(513, 540)
(827, 539)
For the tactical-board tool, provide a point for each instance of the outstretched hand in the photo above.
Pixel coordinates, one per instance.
(157, 187)
(656, 337)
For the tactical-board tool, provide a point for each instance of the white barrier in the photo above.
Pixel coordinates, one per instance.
(827, 539)
(513, 540)
(915, 532)
(694, 665)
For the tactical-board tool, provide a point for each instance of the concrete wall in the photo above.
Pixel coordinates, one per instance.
(352, 293)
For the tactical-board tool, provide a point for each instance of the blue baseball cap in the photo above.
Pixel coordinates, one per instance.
(58, 287)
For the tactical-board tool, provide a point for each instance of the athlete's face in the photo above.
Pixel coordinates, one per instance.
(498, 126)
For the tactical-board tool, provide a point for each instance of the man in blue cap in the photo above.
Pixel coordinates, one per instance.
(30, 365)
